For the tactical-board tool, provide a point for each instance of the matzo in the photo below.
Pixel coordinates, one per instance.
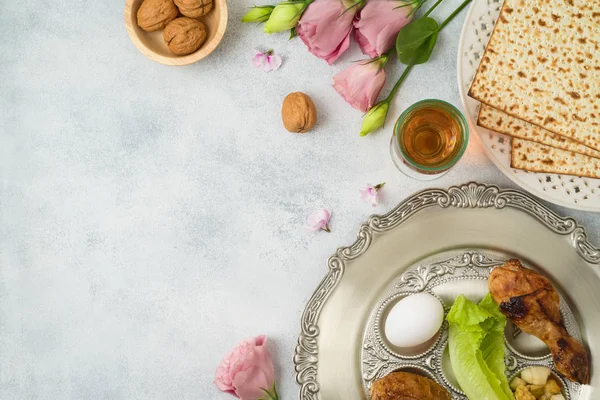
(542, 65)
(532, 156)
(499, 121)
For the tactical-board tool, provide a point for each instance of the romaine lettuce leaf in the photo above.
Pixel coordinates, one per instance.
(476, 346)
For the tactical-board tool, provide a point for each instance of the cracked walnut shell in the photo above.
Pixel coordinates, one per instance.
(184, 35)
(154, 15)
(298, 113)
(194, 8)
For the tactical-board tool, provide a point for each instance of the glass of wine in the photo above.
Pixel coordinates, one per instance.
(429, 138)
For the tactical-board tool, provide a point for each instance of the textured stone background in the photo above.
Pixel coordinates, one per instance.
(151, 216)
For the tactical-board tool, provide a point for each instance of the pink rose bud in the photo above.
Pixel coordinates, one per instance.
(361, 83)
(379, 22)
(325, 27)
(247, 371)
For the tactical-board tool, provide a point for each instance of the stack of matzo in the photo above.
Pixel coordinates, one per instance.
(539, 81)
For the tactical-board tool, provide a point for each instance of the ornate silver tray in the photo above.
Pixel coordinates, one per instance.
(444, 242)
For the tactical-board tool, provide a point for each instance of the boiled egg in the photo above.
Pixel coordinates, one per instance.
(414, 320)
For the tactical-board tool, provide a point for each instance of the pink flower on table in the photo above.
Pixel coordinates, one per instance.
(266, 61)
(247, 371)
(370, 193)
(361, 83)
(379, 22)
(325, 27)
(319, 220)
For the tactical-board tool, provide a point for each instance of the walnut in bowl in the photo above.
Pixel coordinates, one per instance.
(154, 15)
(194, 8)
(152, 43)
(184, 35)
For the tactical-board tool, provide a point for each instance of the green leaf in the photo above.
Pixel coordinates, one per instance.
(416, 41)
(492, 346)
(476, 347)
(293, 33)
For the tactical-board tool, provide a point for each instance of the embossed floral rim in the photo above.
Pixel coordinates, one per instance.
(472, 195)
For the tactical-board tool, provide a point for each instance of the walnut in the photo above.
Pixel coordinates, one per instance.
(298, 113)
(194, 8)
(184, 35)
(154, 15)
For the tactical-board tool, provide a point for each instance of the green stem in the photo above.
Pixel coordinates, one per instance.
(397, 85)
(451, 16)
(358, 3)
(416, 4)
(437, 3)
(418, 7)
(408, 68)
(408, 3)
(382, 60)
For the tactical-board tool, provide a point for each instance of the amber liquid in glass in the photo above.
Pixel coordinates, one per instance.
(431, 137)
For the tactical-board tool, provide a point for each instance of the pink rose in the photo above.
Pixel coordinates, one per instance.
(378, 24)
(247, 371)
(361, 83)
(325, 28)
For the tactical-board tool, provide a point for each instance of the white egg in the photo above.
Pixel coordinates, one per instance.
(414, 320)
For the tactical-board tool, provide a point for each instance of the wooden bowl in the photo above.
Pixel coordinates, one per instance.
(153, 46)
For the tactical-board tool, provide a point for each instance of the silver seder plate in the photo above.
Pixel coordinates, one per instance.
(444, 242)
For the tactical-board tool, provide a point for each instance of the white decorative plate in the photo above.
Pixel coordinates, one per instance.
(567, 191)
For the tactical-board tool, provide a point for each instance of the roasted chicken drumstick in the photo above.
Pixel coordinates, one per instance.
(532, 304)
(407, 386)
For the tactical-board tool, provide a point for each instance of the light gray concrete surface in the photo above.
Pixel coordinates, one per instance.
(151, 217)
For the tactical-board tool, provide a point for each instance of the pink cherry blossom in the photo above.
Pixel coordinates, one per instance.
(319, 220)
(370, 193)
(266, 61)
(247, 371)
(361, 83)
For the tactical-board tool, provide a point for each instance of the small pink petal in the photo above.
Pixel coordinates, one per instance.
(266, 61)
(365, 193)
(374, 199)
(259, 60)
(370, 194)
(319, 220)
(274, 62)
